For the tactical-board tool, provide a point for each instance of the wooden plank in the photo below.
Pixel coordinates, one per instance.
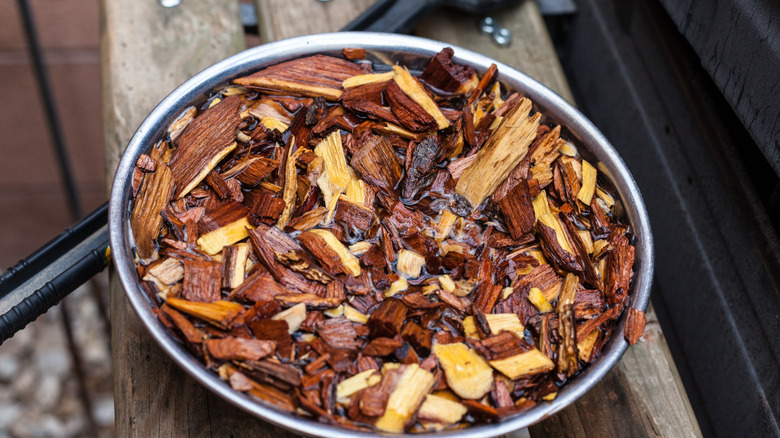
(280, 19)
(147, 51)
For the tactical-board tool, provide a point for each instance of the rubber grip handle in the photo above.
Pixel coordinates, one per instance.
(40, 281)
(41, 300)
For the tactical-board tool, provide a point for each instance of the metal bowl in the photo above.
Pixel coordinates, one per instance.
(387, 49)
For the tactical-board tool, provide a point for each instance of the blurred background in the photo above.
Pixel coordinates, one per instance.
(41, 392)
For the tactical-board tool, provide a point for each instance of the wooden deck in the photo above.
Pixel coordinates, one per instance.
(147, 50)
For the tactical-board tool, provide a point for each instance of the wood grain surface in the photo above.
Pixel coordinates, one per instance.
(148, 50)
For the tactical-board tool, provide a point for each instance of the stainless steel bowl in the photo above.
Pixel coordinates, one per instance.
(388, 49)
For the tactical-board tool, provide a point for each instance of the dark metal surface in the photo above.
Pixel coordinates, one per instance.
(402, 16)
(716, 282)
(384, 49)
(248, 17)
(398, 16)
(556, 7)
(738, 43)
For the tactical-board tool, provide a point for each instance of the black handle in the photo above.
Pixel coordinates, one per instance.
(402, 16)
(395, 16)
(35, 284)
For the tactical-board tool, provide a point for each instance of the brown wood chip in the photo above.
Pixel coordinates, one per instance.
(635, 325)
(239, 349)
(204, 142)
(382, 252)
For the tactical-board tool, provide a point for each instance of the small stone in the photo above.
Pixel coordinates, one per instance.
(103, 411)
(74, 425)
(8, 415)
(9, 366)
(43, 426)
(52, 361)
(25, 381)
(20, 342)
(47, 395)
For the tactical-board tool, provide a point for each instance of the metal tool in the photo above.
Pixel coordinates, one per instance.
(402, 16)
(40, 281)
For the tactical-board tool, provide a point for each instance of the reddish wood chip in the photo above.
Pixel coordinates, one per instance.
(382, 346)
(635, 325)
(518, 210)
(444, 75)
(322, 279)
(239, 349)
(353, 53)
(339, 333)
(313, 76)
(207, 137)
(388, 318)
(409, 113)
(276, 331)
(375, 162)
(202, 281)
(617, 275)
(501, 346)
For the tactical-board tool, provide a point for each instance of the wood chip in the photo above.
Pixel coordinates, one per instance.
(231, 348)
(376, 163)
(154, 194)
(202, 281)
(412, 88)
(467, 373)
(387, 253)
(314, 76)
(505, 147)
(635, 325)
(203, 144)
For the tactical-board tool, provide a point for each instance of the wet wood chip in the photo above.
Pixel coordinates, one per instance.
(203, 144)
(383, 252)
(153, 195)
(231, 348)
(314, 76)
(635, 325)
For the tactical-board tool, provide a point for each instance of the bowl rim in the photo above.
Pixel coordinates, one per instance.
(377, 44)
